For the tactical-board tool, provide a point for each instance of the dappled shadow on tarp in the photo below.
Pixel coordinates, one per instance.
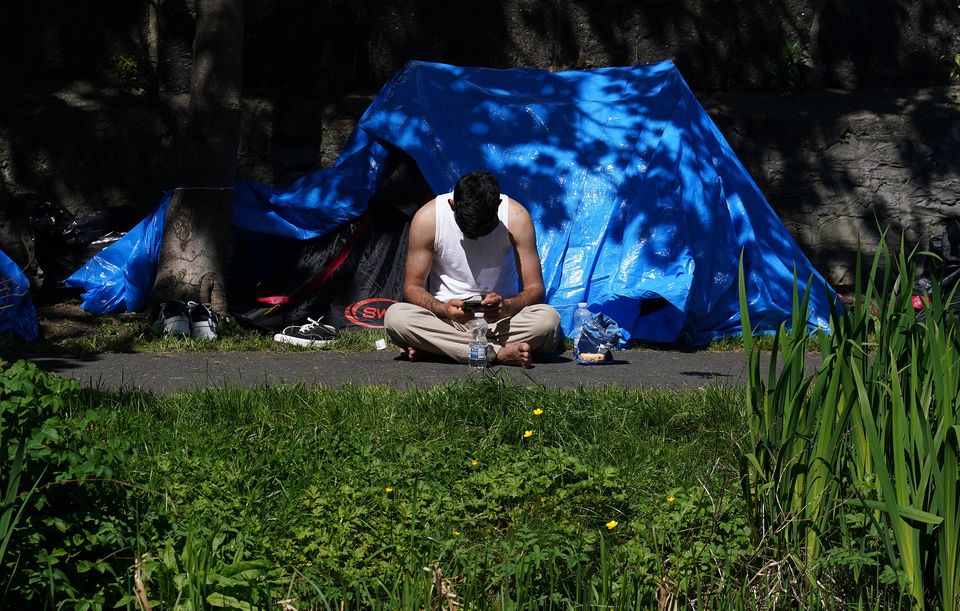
(641, 207)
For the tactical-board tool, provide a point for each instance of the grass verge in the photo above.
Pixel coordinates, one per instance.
(510, 497)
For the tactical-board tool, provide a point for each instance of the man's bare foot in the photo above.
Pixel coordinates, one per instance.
(516, 355)
(411, 353)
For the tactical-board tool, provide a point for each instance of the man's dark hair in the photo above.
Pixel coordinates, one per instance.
(476, 198)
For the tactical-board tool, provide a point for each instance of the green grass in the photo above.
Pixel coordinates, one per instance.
(295, 481)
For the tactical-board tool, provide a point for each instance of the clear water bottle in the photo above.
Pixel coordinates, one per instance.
(477, 355)
(580, 318)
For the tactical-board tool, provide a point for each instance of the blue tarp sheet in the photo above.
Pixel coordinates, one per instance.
(641, 207)
(17, 314)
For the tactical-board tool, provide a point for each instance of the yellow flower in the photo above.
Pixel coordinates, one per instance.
(527, 434)
(474, 462)
(671, 498)
(612, 524)
(388, 490)
(537, 412)
(456, 533)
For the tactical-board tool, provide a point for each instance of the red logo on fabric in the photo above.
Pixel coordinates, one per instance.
(369, 312)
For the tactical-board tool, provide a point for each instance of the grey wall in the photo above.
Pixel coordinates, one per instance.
(839, 166)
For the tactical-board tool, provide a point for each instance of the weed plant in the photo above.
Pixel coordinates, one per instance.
(851, 472)
(62, 516)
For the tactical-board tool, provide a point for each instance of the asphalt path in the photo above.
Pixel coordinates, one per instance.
(181, 371)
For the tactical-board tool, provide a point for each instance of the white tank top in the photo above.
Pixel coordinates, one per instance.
(463, 267)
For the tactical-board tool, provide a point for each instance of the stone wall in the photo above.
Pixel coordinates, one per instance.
(838, 167)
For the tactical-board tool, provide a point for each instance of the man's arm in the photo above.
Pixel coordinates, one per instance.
(419, 262)
(524, 240)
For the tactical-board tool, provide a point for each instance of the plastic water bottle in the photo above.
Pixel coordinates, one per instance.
(580, 317)
(477, 355)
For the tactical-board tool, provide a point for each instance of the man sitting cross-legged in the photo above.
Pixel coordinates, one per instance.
(474, 241)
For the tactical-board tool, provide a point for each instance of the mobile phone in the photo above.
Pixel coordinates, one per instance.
(472, 302)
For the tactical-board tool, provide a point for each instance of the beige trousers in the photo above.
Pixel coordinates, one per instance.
(411, 326)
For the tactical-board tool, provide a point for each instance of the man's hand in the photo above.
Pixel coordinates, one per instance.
(494, 307)
(453, 310)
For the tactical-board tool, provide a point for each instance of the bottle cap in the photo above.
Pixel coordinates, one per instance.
(582, 304)
(478, 314)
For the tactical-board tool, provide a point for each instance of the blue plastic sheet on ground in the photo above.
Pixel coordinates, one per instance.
(641, 207)
(120, 277)
(17, 314)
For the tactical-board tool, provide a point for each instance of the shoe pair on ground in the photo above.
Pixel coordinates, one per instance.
(189, 319)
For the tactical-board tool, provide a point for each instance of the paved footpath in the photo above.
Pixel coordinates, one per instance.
(178, 371)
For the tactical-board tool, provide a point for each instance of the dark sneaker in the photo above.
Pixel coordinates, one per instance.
(203, 321)
(174, 319)
(314, 333)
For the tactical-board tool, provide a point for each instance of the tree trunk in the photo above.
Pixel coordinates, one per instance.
(196, 238)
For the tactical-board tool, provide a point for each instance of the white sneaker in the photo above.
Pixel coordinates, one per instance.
(173, 319)
(203, 320)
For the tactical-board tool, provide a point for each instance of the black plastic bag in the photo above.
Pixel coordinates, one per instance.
(64, 243)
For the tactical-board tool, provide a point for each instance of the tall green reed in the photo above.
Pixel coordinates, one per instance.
(13, 502)
(869, 438)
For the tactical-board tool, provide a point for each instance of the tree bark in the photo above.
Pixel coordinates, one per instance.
(196, 237)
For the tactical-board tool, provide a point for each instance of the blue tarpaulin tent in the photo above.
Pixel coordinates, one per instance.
(641, 207)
